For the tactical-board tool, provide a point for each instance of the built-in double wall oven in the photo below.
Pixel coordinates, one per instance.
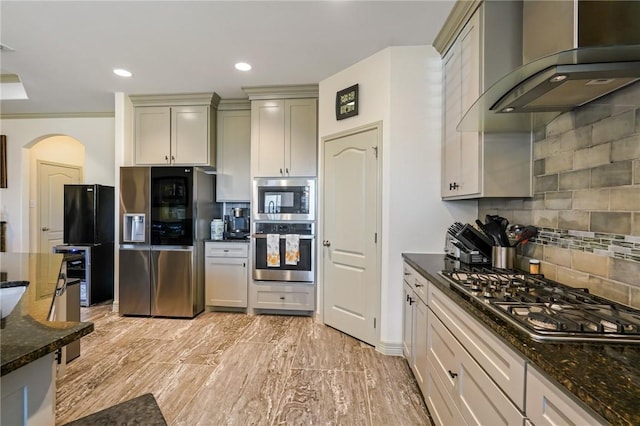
(284, 228)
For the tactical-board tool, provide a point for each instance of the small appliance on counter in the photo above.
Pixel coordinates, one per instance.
(237, 224)
(465, 243)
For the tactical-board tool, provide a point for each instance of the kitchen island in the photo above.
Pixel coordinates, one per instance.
(29, 341)
(603, 376)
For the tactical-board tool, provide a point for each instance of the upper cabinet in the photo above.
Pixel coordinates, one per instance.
(233, 181)
(175, 129)
(482, 164)
(284, 133)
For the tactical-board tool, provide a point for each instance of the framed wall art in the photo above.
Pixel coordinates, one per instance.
(347, 102)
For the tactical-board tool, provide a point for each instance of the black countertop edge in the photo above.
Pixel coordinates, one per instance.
(604, 376)
(229, 240)
(28, 357)
(10, 284)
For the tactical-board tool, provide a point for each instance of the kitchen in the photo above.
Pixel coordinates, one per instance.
(409, 159)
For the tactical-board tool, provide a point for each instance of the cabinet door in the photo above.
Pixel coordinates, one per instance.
(470, 76)
(547, 404)
(407, 313)
(190, 135)
(234, 156)
(152, 135)
(267, 138)
(420, 349)
(226, 282)
(442, 408)
(451, 116)
(301, 140)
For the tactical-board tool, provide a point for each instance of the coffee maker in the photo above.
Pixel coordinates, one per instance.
(237, 224)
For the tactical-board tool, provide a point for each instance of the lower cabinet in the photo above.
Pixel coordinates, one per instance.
(415, 325)
(548, 405)
(456, 374)
(283, 296)
(226, 274)
(468, 375)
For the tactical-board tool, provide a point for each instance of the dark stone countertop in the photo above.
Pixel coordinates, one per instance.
(606, 377)
(26, 334)
(142, 410)
(229, 240)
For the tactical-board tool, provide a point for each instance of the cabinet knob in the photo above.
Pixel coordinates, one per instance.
(453, 186)
(244, 265)
(45, 228)
(281, 172)
(173, 158)
(452, 374)
(281, 297)
(326, 243)
(166, 158)
(287, 171)
(418, 284)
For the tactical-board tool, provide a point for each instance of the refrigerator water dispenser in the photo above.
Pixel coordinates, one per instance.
(134, 224)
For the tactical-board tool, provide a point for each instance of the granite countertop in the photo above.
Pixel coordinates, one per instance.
(228, 240)
(606, 377)
(26, 334)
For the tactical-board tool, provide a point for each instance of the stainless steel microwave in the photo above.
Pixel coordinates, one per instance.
(284, 199)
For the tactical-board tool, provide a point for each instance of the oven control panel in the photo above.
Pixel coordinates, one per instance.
(284, 228)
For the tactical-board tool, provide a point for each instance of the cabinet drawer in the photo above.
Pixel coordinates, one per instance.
(478, 398)
(290, 297)
(500, 362)
(226, 249)
(419, 283)
(443, 410)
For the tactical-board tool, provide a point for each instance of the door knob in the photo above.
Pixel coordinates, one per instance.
(45, 229)
(326, 243)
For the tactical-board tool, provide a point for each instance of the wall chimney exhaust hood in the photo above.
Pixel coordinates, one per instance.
(574, 52)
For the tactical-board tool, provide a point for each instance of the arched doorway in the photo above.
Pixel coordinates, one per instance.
(54, 161)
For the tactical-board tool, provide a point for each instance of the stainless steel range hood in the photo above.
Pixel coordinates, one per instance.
(599, 54)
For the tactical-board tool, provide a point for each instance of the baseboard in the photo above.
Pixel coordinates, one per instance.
(390, 348)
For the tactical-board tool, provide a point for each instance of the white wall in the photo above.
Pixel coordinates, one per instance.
(95, 133)
(402, 87)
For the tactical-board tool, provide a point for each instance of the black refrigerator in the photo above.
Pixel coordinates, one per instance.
(89, 229)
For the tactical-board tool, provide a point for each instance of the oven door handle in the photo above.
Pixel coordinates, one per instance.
(283, 236)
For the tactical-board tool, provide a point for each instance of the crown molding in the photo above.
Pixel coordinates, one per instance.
(282, 92)
(176, 99)
(57, 115)
(458, 17)
(234, 104)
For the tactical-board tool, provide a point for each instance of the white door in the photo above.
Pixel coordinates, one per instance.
(51, 180)
(350, 247)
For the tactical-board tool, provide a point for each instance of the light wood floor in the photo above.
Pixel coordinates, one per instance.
(228, 368)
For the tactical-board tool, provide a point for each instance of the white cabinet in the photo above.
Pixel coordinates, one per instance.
(547, 404)
(175, 131)
(479, 164)
(226, 274)
(415, 323)
(283, 296)
(284, 137)
(233, 177)
(474, 394)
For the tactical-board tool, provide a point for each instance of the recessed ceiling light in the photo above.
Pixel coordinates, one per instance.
(122, 72)
(243, 66)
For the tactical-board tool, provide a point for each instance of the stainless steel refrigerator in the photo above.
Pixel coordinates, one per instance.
(165, 214)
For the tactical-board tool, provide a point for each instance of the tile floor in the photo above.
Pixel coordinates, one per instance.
(237, 369)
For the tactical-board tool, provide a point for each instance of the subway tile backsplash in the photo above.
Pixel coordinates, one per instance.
(586, 201)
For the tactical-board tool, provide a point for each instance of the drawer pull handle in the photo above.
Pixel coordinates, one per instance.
(281, 297)
(226, 250)
(452, 374)
(407, 273)
(417, 284)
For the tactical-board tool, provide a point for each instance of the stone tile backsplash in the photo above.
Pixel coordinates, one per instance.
(586, 201)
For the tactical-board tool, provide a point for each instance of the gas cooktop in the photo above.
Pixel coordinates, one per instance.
(545, 309)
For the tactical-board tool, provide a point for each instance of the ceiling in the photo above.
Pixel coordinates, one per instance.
(65, 51)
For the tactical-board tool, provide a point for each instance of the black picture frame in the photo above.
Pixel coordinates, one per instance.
(347, 102)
